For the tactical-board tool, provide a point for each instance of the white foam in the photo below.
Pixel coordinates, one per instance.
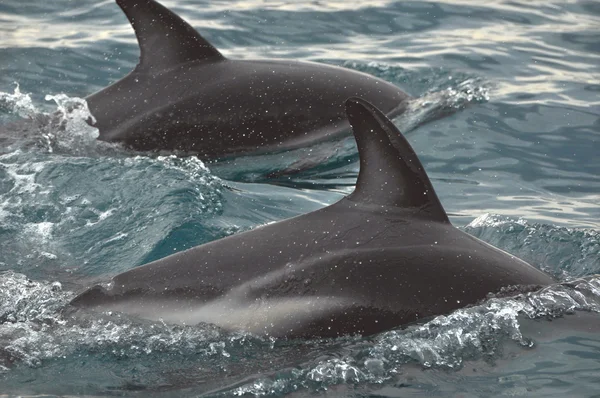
(18, 103)
(41, 230)
(72, 131)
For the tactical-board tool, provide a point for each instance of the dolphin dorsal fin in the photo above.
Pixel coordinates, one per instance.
(390, 171)
(165, 39)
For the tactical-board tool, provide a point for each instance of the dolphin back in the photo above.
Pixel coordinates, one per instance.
(384, 256)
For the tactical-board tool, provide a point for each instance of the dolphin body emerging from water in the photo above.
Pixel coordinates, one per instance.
(384, 256)
(185, 96)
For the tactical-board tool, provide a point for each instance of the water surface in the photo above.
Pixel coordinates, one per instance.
(506, 121)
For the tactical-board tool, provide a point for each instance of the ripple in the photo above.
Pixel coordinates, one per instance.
(513, 133)
(83, 203)
(565, 252)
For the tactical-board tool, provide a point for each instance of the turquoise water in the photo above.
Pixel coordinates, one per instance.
(506, 121)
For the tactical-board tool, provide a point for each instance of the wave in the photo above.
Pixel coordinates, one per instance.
(36, 326)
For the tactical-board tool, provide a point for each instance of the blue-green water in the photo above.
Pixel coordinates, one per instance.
(506, 121)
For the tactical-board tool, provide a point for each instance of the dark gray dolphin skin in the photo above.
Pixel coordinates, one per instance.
(385, 255)
(185, 96)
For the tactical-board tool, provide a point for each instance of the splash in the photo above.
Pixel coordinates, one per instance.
(27, 310)
(437, 104)
(67, 129)
(446, 342)
(564, 252)
(36, 325)
(70, 129)
(17, 103)
(438, 92)
(33, 328)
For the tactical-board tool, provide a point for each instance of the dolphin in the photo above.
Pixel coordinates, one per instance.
(384, 256)
(185, 96)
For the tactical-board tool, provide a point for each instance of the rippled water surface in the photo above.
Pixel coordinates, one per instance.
(506, 120)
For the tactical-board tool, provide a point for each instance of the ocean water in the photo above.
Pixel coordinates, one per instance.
(506, 120)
